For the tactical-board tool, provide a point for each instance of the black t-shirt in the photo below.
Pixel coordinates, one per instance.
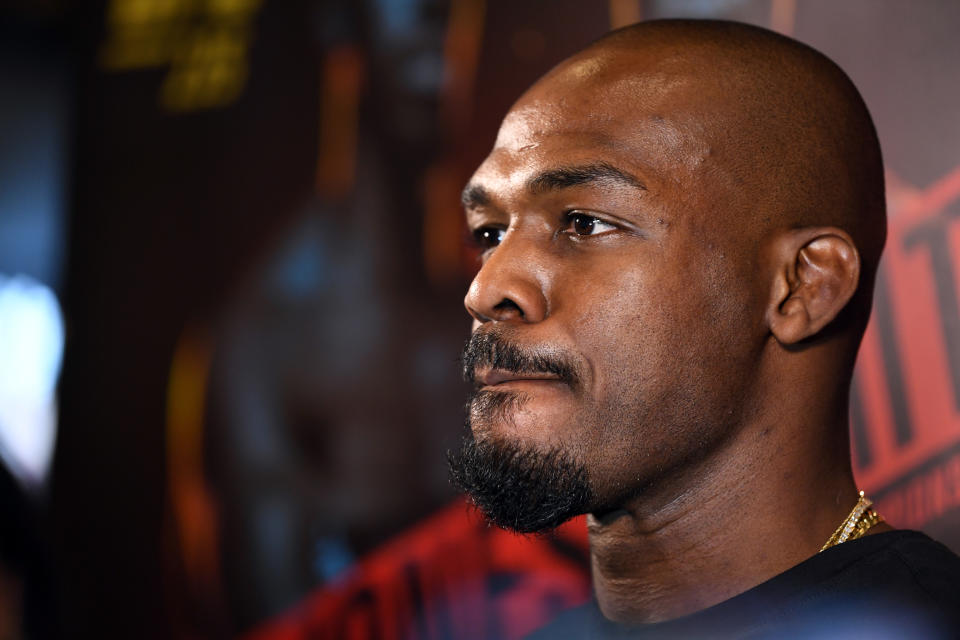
(898, 584)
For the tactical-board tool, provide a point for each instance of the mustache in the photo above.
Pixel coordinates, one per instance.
(490, 350)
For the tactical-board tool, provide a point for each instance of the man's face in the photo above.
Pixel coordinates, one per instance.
(609, 248)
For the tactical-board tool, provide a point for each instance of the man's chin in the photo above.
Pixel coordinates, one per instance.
(518, 488)
(532, 418)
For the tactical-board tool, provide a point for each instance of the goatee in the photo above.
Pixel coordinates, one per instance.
(523, 490)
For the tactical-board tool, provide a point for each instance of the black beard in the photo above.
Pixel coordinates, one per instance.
(520, 489)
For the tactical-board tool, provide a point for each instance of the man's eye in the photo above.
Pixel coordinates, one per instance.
(584, 225)
(487, 237)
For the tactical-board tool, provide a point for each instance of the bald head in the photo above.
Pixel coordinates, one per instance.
(772, 128)
(800, 126)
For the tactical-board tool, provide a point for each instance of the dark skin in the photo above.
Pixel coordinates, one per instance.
(692, 213)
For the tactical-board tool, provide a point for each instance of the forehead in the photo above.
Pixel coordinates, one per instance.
(650, 121)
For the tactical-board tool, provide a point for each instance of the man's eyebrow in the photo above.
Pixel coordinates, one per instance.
(474, 196)
(563, 177)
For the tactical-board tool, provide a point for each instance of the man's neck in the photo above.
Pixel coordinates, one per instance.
(740, 517)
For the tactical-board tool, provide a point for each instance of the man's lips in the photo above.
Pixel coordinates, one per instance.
(494, 377)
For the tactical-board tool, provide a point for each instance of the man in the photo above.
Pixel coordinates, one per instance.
(680, 229)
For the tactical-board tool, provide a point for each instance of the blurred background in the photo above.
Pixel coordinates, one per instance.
(231, 279)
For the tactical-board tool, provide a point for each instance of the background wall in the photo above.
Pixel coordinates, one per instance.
(240, 220)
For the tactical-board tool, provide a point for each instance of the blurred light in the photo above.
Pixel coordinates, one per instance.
(398, 18)
(31, 351)
(783, 16)
(698, 8)
(34, 114)
(343, 71)
(332, 558)
(205, 43)
(300, 270)
(194, 511)
(624, 12)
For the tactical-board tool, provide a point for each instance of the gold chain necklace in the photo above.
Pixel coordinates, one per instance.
(856, 524)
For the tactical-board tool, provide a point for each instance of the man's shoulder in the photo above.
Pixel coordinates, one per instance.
(923, 554)
(908, 571)
(896, 584)
(895, 581)
(904, 563)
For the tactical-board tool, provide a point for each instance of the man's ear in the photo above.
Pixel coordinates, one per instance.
(816, 272)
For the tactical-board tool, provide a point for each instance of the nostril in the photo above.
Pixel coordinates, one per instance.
(477, 316)
(509, 306)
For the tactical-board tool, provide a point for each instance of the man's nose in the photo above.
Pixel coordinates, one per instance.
(510, 285)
